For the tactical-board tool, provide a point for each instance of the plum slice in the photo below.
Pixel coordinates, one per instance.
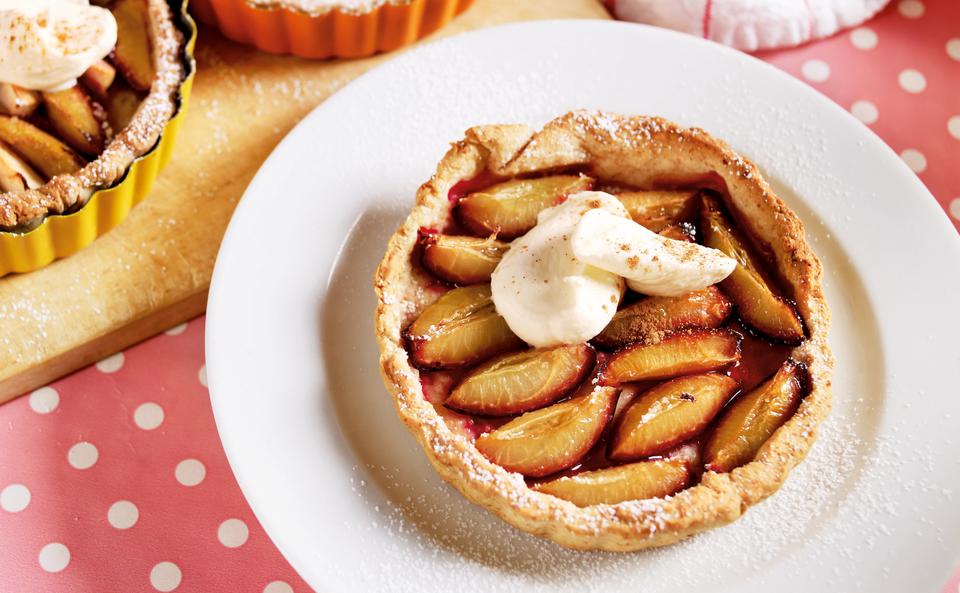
(657, 209)
(758, 301)
(669, 414)
(461, 260)
(522, 381)
(460, 328)
(41, 150)
(681, 353)
(15, 174)
(753, 418)
(633, 481)
(649, 319)
(133, 54)
(550, 439)
(18, 101)
(73, 116)
(509, 209)
(98, 79)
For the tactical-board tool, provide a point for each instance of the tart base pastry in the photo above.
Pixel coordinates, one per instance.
(640, 152)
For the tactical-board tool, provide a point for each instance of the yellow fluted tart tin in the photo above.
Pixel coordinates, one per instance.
(60, 235)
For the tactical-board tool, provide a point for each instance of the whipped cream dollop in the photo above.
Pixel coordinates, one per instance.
(561, 283)
(651, 264)
(45, 45)
(546, 294)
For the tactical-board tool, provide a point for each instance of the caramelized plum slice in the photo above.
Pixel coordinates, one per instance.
(461, 260)
(73, 117)
(460, 328)
(98, 79)
(44, 152)
(133, 54)
(758, 302)
(668, 415)
(753, 418)
(17, 101)
(122, 104)
(657, 210)
(682, 353)
(452, 306)
(633, 481)
(649, 319)
(510, 209)
(522, 381)
(15, 174)
(548, 440)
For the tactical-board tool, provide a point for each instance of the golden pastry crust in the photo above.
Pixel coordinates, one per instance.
(634, 151)
(25, 209)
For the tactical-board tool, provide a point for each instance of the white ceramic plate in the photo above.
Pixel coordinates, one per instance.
(344, 490)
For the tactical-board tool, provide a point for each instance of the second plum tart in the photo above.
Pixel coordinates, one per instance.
(59, 148)
(678, 416)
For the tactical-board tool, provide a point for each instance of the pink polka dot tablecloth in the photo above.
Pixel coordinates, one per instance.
(113, 479)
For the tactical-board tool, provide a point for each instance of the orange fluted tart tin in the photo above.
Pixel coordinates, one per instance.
(327, 28)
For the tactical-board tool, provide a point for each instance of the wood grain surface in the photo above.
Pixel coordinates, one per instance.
(153, 271)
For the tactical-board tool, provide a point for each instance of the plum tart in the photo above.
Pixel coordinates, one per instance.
(611, 333)
(85, 90)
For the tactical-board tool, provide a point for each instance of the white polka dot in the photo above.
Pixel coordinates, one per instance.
(123, 514)
(233, 533)
(912, 9)
(165, 576)
(953, 48)
(953, 126)
(83, 455)
(190, 472)
(202, 375)
(14, 498)
(277, 587)
(863, 38)
(111, 364)
(914, 159)
(176, 330)
(148, 416)
(54, 557)
(815, 70)
(912, 81)
(955, 208)
(865, 111)
(44, 400)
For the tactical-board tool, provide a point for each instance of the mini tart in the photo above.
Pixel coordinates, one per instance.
(327, 28)
(640, 152)
(21, 210)
(98, 196)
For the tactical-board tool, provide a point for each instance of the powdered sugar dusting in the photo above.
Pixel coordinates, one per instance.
(439, 526)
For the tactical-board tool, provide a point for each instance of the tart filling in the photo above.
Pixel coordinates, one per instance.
(84, 91)
(618, 369)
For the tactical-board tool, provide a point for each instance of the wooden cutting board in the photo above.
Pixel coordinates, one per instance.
(153, 271)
